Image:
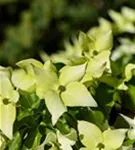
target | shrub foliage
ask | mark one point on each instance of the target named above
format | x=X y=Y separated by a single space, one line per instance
x=82 y=98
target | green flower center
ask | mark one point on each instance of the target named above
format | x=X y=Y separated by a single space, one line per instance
x=62 y=88
x=6 y=101
x=95 y=52
x=101 y=146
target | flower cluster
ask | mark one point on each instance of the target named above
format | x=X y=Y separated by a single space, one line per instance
x=82 y=98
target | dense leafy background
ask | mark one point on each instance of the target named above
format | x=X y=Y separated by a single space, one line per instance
x=27 y=27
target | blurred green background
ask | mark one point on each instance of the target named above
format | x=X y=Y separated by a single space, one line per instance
x=30 y=26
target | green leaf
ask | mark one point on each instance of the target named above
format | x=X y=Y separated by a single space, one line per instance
x=76 y=94
x=104 y=97
x=54 y=105
x=113 y=82
x=22 y=114
x=51 y=138
x=29 y=101
x=16 y=142
x=128 y=71
x=7 y=118
x=62 y=126
x=72 y=135
x=54 y=148
x=32 y=140
x=98 y=118
x=131 y=92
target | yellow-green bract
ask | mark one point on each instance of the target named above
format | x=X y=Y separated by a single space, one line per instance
x=63 y=91
x=8 y=98
x=131 y=122
x=93 y=138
